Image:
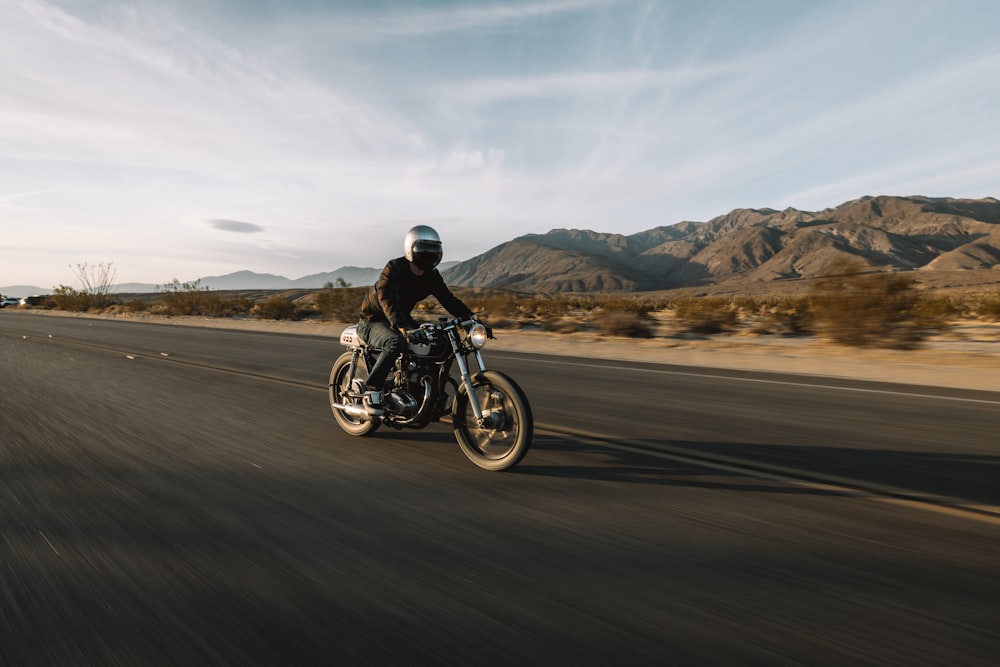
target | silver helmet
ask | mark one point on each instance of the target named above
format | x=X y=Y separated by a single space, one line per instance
x=422 y=246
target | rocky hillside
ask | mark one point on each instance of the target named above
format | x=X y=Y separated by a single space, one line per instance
x=904 y=233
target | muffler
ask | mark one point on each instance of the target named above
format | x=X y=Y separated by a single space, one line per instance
x=356 y=411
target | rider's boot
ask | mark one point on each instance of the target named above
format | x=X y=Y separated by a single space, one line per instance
x=373 y=402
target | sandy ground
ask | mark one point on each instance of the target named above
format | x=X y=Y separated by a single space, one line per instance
x=967 y=357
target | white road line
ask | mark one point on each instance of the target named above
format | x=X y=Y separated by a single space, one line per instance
x=48 y=543
x=816 y=480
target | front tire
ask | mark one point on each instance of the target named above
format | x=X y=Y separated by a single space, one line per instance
x=340 y=383
x=505 y=437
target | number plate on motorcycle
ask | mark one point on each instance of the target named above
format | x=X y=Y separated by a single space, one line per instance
x=350 y=337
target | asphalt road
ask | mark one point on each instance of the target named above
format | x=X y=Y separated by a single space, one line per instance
x=171 y=495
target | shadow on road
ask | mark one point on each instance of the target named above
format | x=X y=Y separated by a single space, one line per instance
x=609 y=464
x=965 y=477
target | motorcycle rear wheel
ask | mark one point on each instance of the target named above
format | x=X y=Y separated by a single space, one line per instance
x=506 y=436
x=340 y=384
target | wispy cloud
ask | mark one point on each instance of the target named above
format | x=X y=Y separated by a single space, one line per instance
x=424 y=21
x=9 y=200
x=153 y=122
x=583 y=83
x=236 y=226
x=140 y=88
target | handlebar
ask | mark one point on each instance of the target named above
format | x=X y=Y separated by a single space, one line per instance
x=426 y=333
x=419 y=336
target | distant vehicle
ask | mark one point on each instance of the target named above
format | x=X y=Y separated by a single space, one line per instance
x=9 y=301
x=32 y=300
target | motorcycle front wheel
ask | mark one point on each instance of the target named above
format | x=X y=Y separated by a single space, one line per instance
x=340 y=384
x=505 y=435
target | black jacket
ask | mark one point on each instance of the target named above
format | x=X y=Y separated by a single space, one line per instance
x=398 y=290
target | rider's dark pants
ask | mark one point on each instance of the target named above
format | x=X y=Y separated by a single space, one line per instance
x=392 y=343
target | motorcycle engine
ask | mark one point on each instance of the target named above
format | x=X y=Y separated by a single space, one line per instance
x=401 y=403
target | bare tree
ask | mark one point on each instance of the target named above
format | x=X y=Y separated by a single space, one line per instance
x=97 y=280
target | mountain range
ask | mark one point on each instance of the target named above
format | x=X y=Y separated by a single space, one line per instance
x=749 y=245
x=743 y=246
x=240 y=280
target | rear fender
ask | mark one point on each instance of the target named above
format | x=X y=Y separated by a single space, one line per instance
x=349 y=337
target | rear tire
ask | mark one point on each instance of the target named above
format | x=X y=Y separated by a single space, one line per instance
x=505 y=439
x=340 y=384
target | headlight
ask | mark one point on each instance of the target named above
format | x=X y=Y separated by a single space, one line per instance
x=477 y=335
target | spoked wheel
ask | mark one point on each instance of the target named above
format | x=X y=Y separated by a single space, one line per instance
x=505 y=434
x=340 y=382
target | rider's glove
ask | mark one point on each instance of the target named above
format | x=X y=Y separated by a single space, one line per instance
x=417 y=337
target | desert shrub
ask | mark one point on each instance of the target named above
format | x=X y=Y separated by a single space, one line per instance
x=73 y=300
x=623 y=304
x=96 y=280
x=95 y=293
x=705 y=316
x=235 y=306
x=555 y=312
x=630 y=323
x=939 y=307
x=873 y=310
x=137 y=306
x=342 y=304
x=498 y=304
x=546 y=307
x=497 y=311
x=565 y=313
x=516 y=310
x=571 y=322
x=177 y=298
x=784 y=317
x=66 y=298
x=276 y=308
x=988 y=307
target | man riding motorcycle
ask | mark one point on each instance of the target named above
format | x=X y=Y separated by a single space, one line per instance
x=385 y=312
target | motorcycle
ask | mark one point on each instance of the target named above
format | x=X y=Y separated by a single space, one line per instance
x=489 y=412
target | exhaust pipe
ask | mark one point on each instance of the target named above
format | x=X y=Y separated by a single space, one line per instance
x=356 y=411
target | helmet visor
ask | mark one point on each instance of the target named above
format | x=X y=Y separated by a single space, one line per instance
x=426 y=254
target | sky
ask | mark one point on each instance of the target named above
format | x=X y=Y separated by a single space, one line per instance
x=192 y=138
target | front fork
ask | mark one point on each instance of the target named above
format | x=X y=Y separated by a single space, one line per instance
x=463 y=368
